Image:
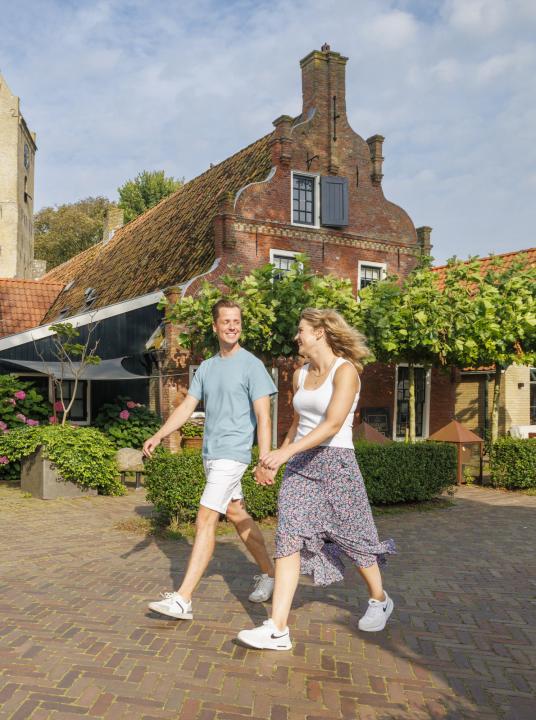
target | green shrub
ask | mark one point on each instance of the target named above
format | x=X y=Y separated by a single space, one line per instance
x=127 y=423
x=406 y=472
x=82 y=455
x=513 y=463
x=21 y=403
x=190 y=430
x=175 y=483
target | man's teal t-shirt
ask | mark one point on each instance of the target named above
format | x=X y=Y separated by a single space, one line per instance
x=229 y=387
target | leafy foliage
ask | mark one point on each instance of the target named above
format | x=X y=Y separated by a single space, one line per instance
x=146 y=190
x=66 y=230
x=190 y=430
x=406 y=472
x=82 y=455
x=513 y=463
x=393 y=473
x=20 y=402
x=175 y=483
x=270 y=307
x=128 y=424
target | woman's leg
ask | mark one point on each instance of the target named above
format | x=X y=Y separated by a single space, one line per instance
x=287 y=575
x=373 y=578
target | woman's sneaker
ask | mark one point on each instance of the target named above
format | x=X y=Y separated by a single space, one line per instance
x=377 y=614
x=173 y=605
x=264 y=587
x=266 y=637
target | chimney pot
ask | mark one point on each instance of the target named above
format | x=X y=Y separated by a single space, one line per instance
x=113 y=220
x=325 y=48
x=375 y=144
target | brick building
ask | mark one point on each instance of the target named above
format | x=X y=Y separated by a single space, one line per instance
x=312 y=185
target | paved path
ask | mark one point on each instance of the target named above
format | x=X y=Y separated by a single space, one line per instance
x=76 y=639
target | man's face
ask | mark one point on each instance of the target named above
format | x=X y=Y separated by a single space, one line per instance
x=228 y=326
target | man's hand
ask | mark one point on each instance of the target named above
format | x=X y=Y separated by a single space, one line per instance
x=150 y=445
x=273 y=460
x=264 y=476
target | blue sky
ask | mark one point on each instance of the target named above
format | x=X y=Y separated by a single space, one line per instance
x=119 y=86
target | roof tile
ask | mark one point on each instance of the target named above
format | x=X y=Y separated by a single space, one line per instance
x=24 y=302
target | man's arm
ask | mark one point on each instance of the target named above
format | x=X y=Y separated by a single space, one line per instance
x=175 y=421
x=261 y=408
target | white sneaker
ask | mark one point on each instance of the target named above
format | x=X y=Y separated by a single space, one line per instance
x=264 y=587
x=377 y=614
x=266 y=637
x=173 y=605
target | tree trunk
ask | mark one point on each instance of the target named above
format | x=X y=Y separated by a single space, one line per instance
x=411 y=399
x=496 y=403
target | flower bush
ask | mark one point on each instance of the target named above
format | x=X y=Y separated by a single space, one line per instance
x=21 y=404
x=82 y=455
x=127 y=423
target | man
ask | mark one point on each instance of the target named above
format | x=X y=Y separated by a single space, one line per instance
x=236 y=389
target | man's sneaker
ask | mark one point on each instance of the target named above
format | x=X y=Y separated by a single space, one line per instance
x=173 y=605
x=264 y=587
x=377 y=614
x=266 y=637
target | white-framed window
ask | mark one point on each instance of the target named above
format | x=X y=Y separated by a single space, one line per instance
x=282 y=261
x=200 y=409
x=423 y=380
x=369 y=272
x=305 y=199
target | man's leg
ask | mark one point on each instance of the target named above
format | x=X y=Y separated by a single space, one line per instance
x=202 y=551
x=250 y=534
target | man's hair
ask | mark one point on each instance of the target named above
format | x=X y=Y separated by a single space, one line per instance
x=224 y=303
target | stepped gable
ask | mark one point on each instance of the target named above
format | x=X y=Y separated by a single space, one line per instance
x=168 y=244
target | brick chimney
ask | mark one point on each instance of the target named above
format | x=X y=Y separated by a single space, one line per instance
x=375 y=144
x=113 y=220
x=423 y=238
x=324 y=78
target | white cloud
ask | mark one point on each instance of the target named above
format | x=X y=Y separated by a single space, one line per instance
x=118 y=86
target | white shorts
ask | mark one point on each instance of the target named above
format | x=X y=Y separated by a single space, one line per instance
x=223 y=483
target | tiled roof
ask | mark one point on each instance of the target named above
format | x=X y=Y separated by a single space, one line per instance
x=24 y=302
x=168 y=244
x=528 y=255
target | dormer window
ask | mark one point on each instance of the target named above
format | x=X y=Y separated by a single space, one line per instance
x=90 y=295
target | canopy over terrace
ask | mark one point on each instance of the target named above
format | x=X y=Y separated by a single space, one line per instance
x=106 y=370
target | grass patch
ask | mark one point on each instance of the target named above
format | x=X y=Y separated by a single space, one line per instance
x=179 y=531
x=425 y=506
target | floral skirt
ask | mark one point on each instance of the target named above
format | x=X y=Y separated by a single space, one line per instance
x=324 y=513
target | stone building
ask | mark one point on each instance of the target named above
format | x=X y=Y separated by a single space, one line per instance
x=312 y=185
x=17 y=163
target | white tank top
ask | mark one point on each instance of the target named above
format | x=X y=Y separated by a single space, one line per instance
x=311 y=406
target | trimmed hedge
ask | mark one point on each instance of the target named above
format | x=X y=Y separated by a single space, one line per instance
x=513 y=463
x=406 y=472
x=393 y=473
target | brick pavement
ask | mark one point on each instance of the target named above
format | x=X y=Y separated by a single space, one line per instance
x=77 y=641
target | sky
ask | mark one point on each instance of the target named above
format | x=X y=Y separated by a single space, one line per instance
x=115 y=87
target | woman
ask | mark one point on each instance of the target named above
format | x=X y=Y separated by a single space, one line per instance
x=323 y=510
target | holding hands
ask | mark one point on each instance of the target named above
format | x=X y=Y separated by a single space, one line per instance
x=272 y=461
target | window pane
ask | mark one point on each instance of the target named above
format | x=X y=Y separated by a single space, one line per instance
x=402 y=394
x=369 y=274
x=303 y=199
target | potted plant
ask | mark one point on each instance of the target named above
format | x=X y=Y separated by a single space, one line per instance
x=192 y=434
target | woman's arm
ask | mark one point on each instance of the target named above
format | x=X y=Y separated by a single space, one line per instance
x=345 y=384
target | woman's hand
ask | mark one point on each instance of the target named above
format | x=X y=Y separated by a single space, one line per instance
x=275 y=458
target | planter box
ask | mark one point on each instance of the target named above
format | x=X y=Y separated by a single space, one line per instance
x=192 y=442
x=39 y=477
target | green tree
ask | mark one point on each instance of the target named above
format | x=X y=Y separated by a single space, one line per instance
x=407 y=322
x=271 y=308
x=145 y=191
x=65 y=230
x=493 y=313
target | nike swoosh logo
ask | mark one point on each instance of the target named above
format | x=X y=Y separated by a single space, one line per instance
x=277 y=637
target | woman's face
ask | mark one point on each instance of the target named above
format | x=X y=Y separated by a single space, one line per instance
x=307 y=337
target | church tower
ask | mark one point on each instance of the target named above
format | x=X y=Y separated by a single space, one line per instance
x=17 y=162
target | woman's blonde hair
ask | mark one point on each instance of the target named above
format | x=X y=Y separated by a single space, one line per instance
x=342 y=339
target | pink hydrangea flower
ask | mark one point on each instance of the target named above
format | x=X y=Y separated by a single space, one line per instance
x=4 y=460
x=21 y=417
x=32 y=423
x=131 y=404
x=124 y=414
x=58 y=406
x=3 y=425
x=52 y=420
x=20 y=394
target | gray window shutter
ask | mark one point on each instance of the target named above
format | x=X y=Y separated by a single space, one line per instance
x=333 y=201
